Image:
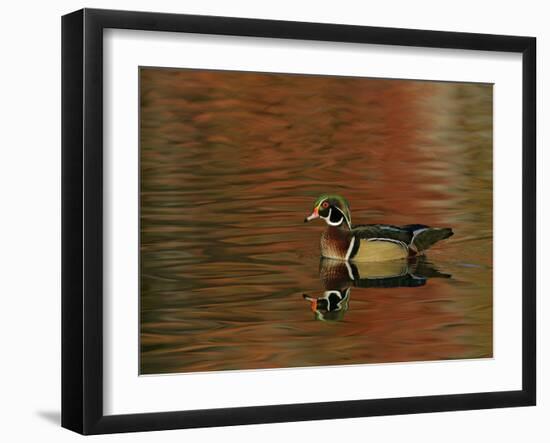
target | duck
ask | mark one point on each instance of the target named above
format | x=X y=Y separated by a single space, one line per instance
x=369 y=243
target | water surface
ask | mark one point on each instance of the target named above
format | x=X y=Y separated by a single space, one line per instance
x=232 y=162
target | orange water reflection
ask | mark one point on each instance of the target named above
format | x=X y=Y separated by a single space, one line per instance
x=230 y=164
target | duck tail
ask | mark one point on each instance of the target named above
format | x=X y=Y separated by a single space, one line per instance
x=424 y=238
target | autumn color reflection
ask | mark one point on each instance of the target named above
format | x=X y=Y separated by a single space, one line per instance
x=229 y=164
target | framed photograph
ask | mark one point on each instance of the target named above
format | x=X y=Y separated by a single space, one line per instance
x=268 y=221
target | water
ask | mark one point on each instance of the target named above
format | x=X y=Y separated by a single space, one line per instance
x=230 y=165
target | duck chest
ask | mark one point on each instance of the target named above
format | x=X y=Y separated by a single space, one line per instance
x=335 y=243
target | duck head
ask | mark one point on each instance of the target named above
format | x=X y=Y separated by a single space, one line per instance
x=333 y=209
x=331 y=306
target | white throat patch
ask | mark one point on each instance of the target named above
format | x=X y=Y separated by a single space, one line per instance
x=330 y=223
x=327 y=219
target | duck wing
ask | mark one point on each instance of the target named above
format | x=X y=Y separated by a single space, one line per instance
x=386 y=232
x=418 y=237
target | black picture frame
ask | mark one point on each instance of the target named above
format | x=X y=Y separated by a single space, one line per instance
x=82 y=218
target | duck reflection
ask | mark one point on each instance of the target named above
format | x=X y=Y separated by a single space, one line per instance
x=338 y=277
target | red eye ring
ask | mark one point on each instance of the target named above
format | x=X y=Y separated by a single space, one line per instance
x=324 y=204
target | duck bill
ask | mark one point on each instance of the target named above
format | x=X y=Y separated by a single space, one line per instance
x=313 y=216
x=312 y=301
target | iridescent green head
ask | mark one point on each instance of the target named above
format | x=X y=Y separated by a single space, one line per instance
x=332 y=208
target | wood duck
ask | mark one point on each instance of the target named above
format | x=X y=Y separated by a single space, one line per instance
x=338 y=277
x=368 y=243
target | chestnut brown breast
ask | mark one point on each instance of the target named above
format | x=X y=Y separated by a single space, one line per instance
x=335 y=242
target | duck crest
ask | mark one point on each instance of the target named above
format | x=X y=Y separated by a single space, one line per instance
x=335 y=242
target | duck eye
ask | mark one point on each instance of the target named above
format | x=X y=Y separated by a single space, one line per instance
x=324 y=204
